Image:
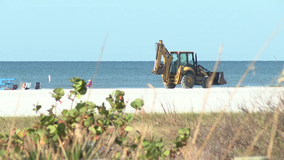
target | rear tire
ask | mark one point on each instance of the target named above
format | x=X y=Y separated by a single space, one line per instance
x=169 y=86
x=187 y=80
x=205 y=82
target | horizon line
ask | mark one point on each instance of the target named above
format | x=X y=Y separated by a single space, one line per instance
x=129 y=61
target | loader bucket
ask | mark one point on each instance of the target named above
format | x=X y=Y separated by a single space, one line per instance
x=219 y=78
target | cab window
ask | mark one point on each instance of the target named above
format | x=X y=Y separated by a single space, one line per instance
x=183 y=59
x=174 y=64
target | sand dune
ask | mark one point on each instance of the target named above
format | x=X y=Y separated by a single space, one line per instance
x=20 y=102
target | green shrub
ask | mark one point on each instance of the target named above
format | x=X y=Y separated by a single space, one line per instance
x=86 y=131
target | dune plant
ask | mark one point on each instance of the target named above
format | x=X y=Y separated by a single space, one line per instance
x=86 y=131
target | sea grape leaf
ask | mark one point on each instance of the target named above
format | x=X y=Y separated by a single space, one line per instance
x=88 y=122
x=64 y=112
x=51 y=128
x=92 y=129
x=37 y=107
x=167 y=153
x=61 y=127
x=137 y=103
x=58 y=93
x=78 y=96
x=117 y=93
x=128 y=128
x=73 y=113
x=129 y=118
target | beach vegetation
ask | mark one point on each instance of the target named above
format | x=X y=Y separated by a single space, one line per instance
x=248 y=132
x=87 y=131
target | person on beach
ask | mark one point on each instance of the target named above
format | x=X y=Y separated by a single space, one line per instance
x=89 y=84
x=24 y=86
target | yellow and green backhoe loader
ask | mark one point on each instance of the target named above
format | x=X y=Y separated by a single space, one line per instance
x=180 y=67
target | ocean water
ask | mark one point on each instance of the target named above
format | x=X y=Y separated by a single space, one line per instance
x=134 y=74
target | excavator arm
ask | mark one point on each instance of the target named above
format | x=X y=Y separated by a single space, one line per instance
x=162 y=67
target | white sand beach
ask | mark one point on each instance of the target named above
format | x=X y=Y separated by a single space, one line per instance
x=20 y=102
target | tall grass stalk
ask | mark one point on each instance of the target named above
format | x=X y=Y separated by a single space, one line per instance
x=97 y=67
x=256 y=138
x=238 y=85
x=273 y=132
x=205 y=100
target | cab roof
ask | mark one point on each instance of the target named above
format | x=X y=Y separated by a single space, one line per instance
x=181 y=51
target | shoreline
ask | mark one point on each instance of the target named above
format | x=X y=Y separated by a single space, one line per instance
x=20 y=102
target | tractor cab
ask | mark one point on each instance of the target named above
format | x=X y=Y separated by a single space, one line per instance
x=185 y=59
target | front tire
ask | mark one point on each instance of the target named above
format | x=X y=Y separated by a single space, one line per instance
x=187 y=80
x=169 y=86
x=205 y=82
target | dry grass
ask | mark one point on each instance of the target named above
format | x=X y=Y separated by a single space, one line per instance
x=237 y=134
x=6 y=123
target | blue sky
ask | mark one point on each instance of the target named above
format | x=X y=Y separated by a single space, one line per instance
x=72 y=30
